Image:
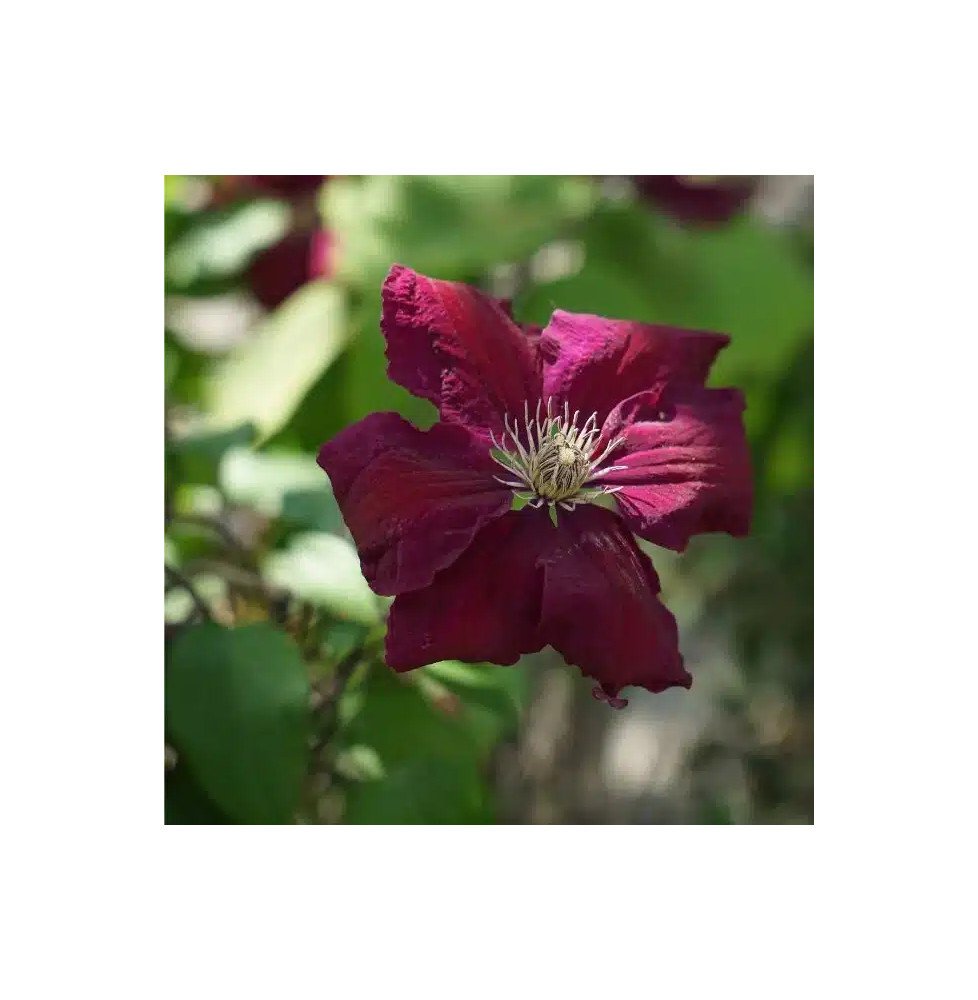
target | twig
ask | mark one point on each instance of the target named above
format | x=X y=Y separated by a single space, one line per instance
x=328 y=709
x=216 y=525
x=179 y=580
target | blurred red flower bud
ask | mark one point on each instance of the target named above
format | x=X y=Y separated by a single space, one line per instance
x=286 y=266
x=697 y=199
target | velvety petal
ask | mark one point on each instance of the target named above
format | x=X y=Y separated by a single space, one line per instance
x=413 y=500
x=601 y=610
x=688 y=464
x=583 y=587
x=449 y=343
x=594 y=363
x=484 y=607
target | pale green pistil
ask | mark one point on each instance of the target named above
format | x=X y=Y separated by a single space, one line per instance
x=552 y=460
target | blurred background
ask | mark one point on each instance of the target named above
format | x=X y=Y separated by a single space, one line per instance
x=279 y=707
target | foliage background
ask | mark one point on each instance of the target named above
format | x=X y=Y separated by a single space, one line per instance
x=278 y=706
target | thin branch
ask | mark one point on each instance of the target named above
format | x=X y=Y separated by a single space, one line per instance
x=219 y=528
x=328 y=709
x=179 y=580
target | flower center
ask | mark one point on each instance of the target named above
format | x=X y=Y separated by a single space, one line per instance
x=551 y=460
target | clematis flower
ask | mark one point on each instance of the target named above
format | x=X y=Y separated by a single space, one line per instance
x=697 y=200
x=287 y=265
x=491 y=530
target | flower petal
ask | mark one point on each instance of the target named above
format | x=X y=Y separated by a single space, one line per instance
x=687 y=464
x=484 y=607
x=583 y=587
x=593 y=363
x=413 y=500
x=600 y=609
x=449 y=343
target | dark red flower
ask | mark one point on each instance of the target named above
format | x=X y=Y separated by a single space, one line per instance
x=588 y=407
x=287 y=185
x=282 y=268
x=697 y=199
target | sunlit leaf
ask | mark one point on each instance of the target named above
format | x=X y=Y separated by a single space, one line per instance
x=264 y=378
x=324 y=569
x=447 y=226
x=218 y=245
x=263 y=480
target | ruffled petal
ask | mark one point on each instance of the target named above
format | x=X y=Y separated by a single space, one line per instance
x=687 y=464
x=593 y=363
x=583 y=587
x=413 y=500
x=484 y=607
x=458 y=348
x=601 y=610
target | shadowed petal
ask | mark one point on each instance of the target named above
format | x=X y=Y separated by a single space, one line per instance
x=688 y=465
x=583 y=587
x=601 y=610
x=413 y=500
x=594 y=363
x=449 y=343
x=484 y=607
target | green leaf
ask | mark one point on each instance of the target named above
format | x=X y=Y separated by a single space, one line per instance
x=491 y=696
x=197 y=457
x=421 y=791
x=185 y=802
x=237 y=711
x=213 y=248
x=313 y=508
x=265 y=377
x=433 y=732
x=263 y=480
x=447 y=226
x=401 y=723
x=324 y=569
x=360 y=764
x=744 y=279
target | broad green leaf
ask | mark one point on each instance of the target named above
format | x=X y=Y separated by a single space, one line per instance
x=447 y=226
x=400 y=722
x=491 y=697
x=185 y=802
x=421 y=791
x=265 y=377
x=324 y=569
x=744 y=279
x=237 y=711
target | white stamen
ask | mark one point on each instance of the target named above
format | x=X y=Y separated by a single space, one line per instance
x=554 y=459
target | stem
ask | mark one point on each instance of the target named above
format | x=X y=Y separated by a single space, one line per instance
x=179 y=580
x=328 y=710
x=218 y=527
